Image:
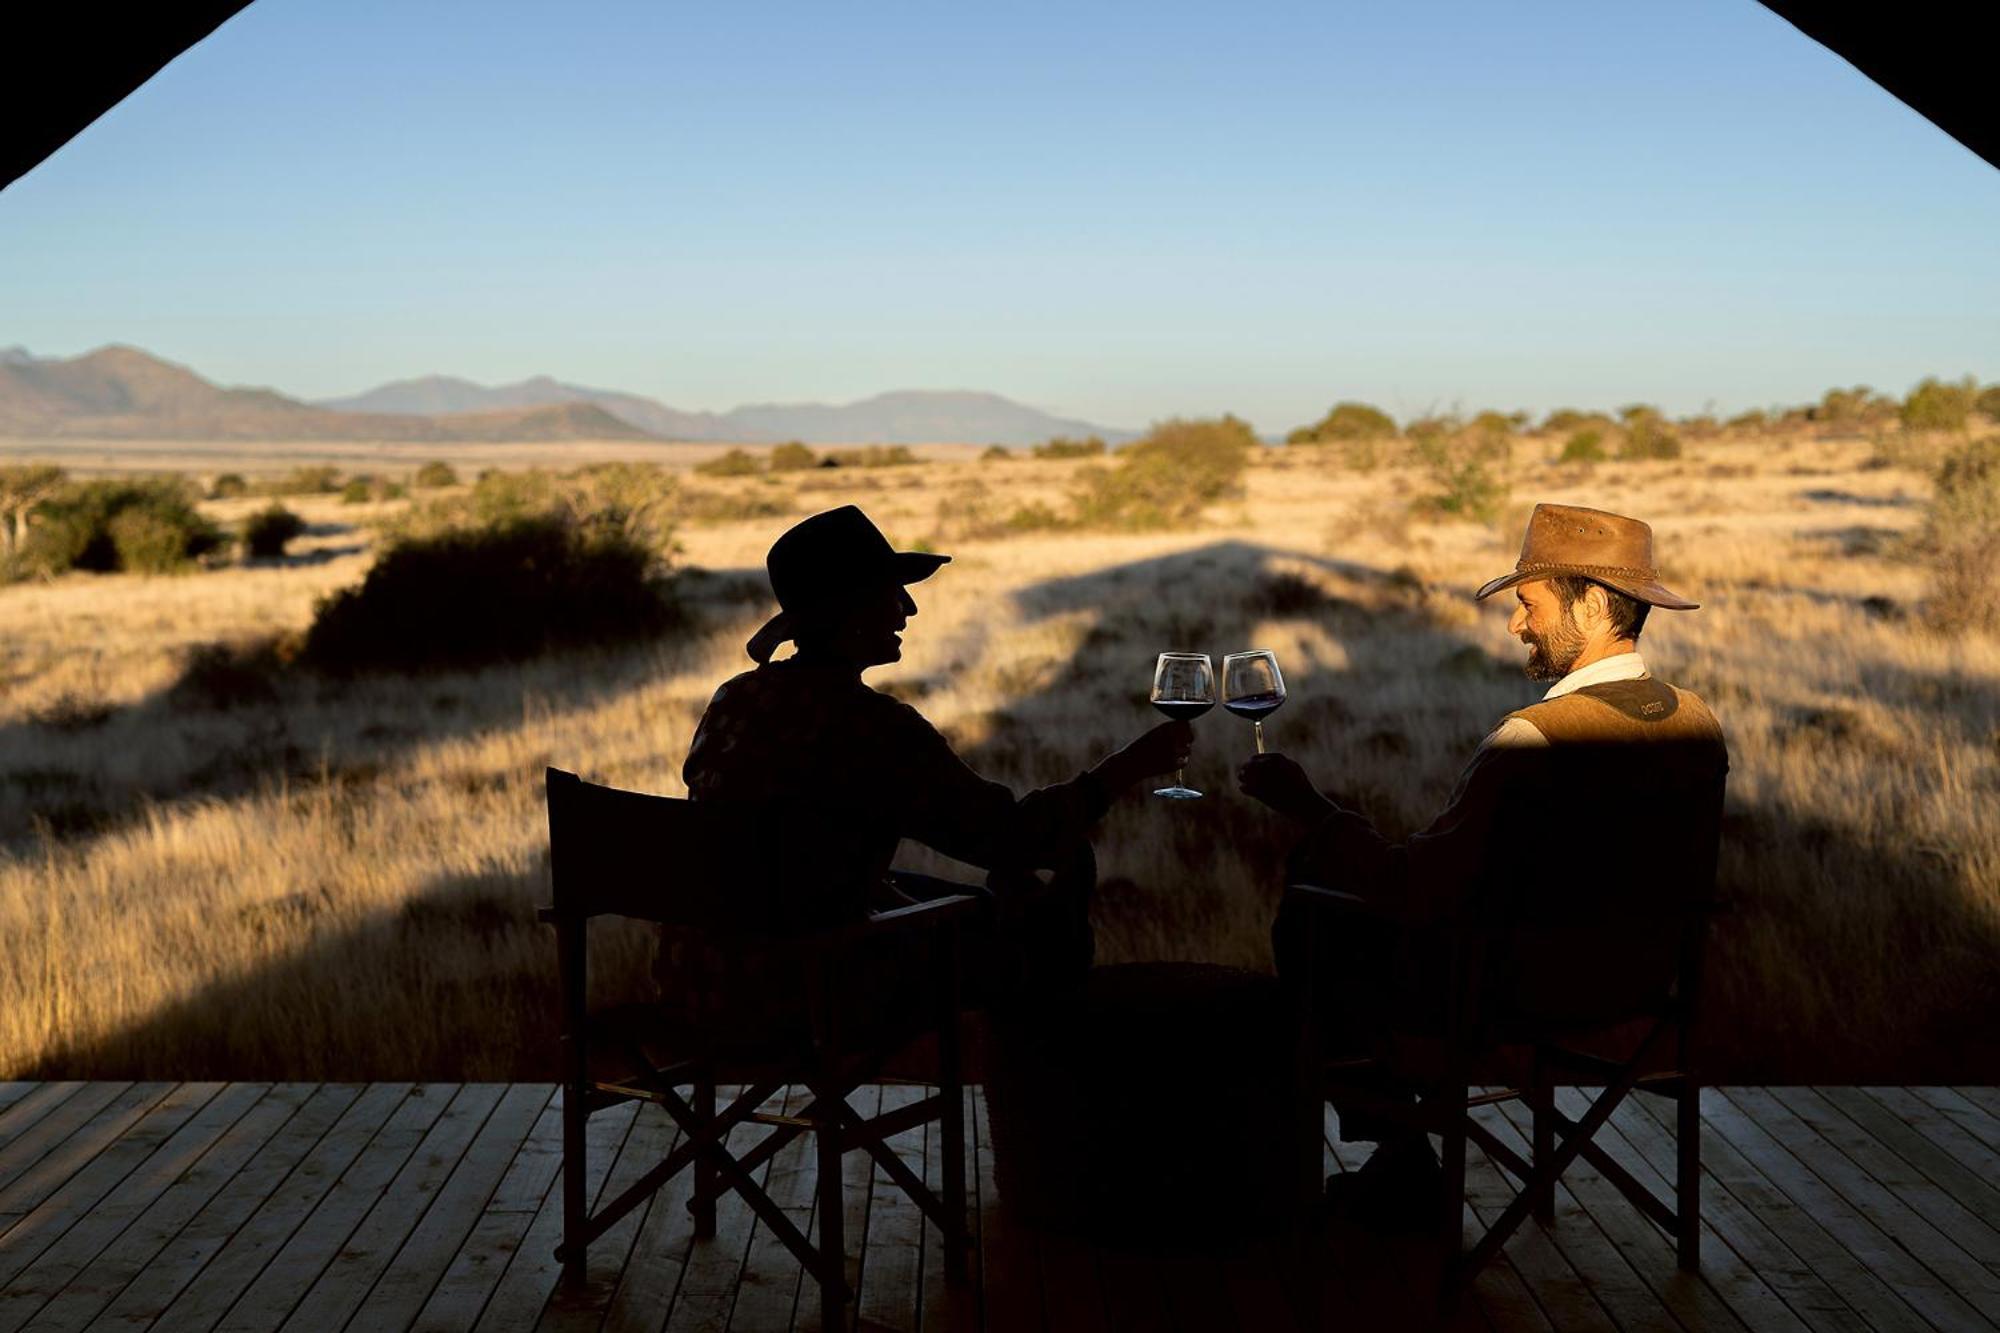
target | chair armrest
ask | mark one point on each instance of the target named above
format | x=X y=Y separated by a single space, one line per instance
x=917 y=916
x=1319 y=897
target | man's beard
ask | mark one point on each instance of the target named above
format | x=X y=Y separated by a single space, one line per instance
x=1551 y=655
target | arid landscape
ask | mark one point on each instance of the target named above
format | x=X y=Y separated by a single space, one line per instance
x=212 y=865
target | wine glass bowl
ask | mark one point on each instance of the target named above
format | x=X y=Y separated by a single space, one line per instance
x=1253 y=687
x=1183 y=689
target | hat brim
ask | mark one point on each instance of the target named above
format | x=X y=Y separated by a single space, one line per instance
x=915 y=566
x=1651 y=592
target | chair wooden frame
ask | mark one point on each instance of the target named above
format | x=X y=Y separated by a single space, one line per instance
x=825 y=1061
x=1447 y=1100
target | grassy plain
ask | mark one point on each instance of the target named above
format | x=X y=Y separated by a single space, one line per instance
x=338 y=879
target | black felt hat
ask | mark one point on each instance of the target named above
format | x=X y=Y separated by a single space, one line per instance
x=823 y=560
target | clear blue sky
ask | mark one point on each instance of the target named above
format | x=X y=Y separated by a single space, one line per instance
x=1124 y=213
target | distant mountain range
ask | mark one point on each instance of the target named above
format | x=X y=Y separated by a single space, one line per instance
x=119 y=392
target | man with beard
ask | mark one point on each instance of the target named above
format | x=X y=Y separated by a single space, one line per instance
x=1584 y=585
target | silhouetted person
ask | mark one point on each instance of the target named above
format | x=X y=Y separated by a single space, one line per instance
x=808 y=733
x=1585 y=584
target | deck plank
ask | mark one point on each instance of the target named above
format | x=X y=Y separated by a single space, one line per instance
x=286 y=1281
x=713 y=1267
x=233 y=1244
x=1968 y=1115
x=431 y=1241
x=157 y=1153
x=1009 y=1277
x=27 y=1156
x=768 y=1294
x=1778 y=1284
x=888 y=1296
x=1892 y=1241
x=14 y=1090
x=468 y=1280
x=948 y=1304
x=245 y=1200
x=23 y=1112
x=582 y=1305
x=69 y=1182
x=139 y=1246
x=517 y=1299
x=1931 y=1140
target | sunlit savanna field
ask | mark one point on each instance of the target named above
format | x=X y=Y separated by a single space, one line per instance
x=302 y=877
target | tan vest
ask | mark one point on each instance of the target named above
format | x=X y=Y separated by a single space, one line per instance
x=1622 y=712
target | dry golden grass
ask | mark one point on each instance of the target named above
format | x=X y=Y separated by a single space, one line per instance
x=339 y=880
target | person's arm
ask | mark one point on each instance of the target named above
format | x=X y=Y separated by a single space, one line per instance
x=943 y=804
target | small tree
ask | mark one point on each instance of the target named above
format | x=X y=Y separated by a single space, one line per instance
x=1347 y=421
x=1936 y=405
x=1584 y=446
x=228 y=486
x=792 y=456
x=1167 y=476
x=1647 y=436
x=735 y=463
x=1989 y=403
x=1061 y=446
x=435 y=475
x=23 y=486
x=996 y=453
x=267 y=532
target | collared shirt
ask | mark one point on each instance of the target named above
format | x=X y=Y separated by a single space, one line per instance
x=1619 y=666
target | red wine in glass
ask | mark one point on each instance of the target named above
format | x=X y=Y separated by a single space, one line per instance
x=1183 y=689
x=1252 y=687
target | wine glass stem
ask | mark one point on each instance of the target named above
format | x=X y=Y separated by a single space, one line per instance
x=1258 y=724
x=1180 y=777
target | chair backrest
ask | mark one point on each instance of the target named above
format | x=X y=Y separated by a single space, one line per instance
x=772 y=870
x=1603 y=878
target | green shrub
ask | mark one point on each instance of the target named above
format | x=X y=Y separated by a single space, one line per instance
x=268 y=531
x=735 y=463
x=792 y=456
x=467 y=597
x=358 y=491
x=1753 y=422
x=1584 y=446
x=1961 y=538
x=1989 y=403
x=1564 y=419
x=435 y=475
x=313 y=480
x=1061 y=446
x=1464 y=469
x=228 y=486
x=1936 y=405
x=1166 y=477
x=1648 y=437
x=148 y=525
x=996 y=453
x=873 y=455
x=1346 y=421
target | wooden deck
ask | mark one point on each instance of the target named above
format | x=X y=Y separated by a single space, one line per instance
x=387 y=1206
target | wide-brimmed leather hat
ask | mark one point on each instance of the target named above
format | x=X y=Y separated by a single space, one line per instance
x=823 y=560
x=1606 y=548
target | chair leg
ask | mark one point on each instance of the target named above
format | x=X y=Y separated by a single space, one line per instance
x=702 y=1205
x=1541 y=1104
x=1687 y=1175
x=951 y=1126
x=1451 y=1157
x=832 y=1243
x=575 y=1120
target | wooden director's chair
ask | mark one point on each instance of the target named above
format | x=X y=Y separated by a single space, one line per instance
x=1581 y=963
x=729 y=875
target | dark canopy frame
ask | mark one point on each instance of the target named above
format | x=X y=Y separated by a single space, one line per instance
x=69 y=64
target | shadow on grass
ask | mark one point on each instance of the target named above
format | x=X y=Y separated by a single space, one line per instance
x=1844 y=960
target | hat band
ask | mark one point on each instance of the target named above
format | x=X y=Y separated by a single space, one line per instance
x=1589 y=571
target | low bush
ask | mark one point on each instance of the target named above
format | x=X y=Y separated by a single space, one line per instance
x=435 y=475
x=1062 y=446
x=468 y=597
x=369 y=489
x=1961 y=539
x=792 y=456
x=313 y=480
x=1346 y=421
x=144 y=526
x=1585 y=446
x=1166 y=477
x=1937 y=405
x=267 y=532
x=996 y=453
x=228 y=486
x=1648 y=436
x=735 y=463
x=873 y=455
x=1465 y=472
